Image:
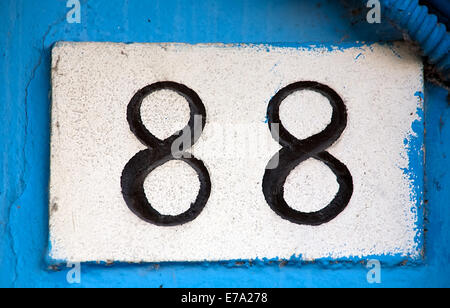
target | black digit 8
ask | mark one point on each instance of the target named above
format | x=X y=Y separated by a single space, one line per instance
x=296 y=151
x=160 y=152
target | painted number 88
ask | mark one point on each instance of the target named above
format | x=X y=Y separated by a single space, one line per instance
x=293 y=153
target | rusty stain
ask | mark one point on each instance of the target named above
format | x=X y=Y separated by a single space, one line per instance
x=356 y=12
x=54 y=208
x=345 y=37
x=55 y=68
x=441 y=123
x=434 y=76
x=55 y=268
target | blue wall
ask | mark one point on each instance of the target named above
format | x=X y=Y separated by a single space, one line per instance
x=27 y=31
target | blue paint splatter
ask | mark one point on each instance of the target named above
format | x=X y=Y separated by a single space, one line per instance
x=415 y=147
x=420 y=95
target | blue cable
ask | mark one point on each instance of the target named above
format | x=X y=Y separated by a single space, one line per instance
x=440 y=6
x=424 y=28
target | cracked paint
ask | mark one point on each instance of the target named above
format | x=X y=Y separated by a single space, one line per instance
x=25 y=166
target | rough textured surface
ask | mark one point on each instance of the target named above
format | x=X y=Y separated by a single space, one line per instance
x=92 y=84
x=24 y=131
